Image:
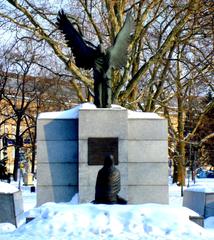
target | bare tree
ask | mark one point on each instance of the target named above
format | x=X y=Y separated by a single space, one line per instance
x=105 y=20
x=27 y=91
x=166 y=54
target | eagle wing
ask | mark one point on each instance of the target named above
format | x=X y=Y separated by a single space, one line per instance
x=118 y=53
x=83 y=54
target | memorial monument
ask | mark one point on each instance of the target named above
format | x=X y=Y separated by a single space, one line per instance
x=72 y=147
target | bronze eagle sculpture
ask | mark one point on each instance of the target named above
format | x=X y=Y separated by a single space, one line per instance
x=102 y=61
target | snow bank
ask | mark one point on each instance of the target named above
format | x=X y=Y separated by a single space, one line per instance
x=7 y=188
x=6 y=227
x=209 y=223
x=67 y=221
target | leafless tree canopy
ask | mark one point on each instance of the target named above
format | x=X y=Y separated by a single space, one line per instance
x=170 y=54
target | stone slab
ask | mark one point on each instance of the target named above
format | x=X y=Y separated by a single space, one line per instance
x=56 y=174
x=148 y=194
x=200 y=202
x=59 y=129
x=195 y=201
x=102 y=123
x=89 y=193
x=57 y=151
x=11 y=207
x=147 y=174
x=147 y=151
x=147 y=129
x=55 y=194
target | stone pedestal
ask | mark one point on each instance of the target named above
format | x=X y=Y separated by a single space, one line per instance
x=63 y=167
x=57 y=154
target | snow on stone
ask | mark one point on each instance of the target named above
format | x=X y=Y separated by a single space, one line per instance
x=145 y=115
x=206 y=189
x=72 y=113
x=7 y=188
x=110 y=222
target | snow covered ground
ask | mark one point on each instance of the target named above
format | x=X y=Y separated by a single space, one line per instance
x=68 y=221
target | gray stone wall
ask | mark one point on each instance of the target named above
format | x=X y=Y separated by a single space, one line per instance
x=57 y=160
x=147 y=160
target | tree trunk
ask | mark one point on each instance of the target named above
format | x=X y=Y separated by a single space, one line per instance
x=17 y=148
x=180 y=136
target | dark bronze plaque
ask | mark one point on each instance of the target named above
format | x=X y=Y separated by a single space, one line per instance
x=98 y=148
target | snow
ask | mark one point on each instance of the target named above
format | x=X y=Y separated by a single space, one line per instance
x=65 y=221
x=145 y=115
x=6 y=227
x=73 y=113
x=209 y=223
x=89 y=221
x=7 y=188
x=205 y=189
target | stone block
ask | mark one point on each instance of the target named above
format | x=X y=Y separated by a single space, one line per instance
x=148 y=194
x=123 y=151
x=56 y=174
x=147 y=174
x=194 y=200
x=147 y=129
x=88 y=174
x=83 y=151
x=88 y=193
x=57 y=129
x=11 y=207
x=102 y=123
x=147 y=151
x=201 y=202
x=55 y=194
x=209 y=210
x=57 y=151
